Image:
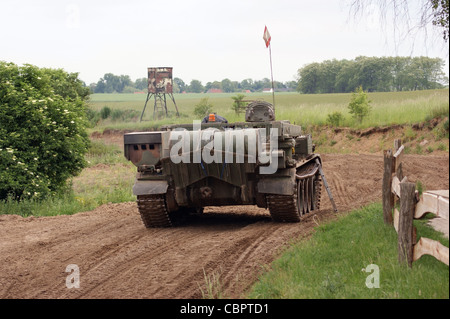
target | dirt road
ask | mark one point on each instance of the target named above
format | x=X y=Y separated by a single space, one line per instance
x=118 y=258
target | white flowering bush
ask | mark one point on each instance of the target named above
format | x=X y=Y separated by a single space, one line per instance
x=43 y=135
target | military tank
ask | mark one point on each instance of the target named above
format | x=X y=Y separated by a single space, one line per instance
x=183 y=168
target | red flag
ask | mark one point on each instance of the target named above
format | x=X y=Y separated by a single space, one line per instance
x=267 y=37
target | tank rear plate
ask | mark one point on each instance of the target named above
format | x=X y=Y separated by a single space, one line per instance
x=150 y=187
x=142 y=138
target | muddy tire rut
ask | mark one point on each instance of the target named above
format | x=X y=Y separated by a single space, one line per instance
x=119 y=258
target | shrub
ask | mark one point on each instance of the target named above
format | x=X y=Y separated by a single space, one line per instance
x=43 y=135
x=203 y=108
x=442 y=147
x=359 y=104
x=335 y=118
x=124 y=115
x=238 y=104
x=105 y=112
x=93 y=117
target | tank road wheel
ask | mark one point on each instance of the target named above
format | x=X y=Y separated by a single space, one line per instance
x=313 y=193
x=301 y=198
x=306 y=197
x=153 y=210
x=317 y=188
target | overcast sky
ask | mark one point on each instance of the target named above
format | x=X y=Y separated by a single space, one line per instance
x=203 y=40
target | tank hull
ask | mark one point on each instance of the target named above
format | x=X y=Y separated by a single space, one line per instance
x=183 y=168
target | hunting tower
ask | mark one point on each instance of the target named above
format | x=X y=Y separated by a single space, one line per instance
x=160 y=84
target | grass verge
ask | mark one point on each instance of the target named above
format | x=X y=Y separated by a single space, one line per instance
x=109 y=178
x=333 y=263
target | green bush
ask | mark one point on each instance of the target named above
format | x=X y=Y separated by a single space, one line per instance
x=124 y=115
x=105 y=112
x=93 y=117
x=238 y=104
x=335 y=118
x=359 y=105
x=43 y=135
x=203 y=108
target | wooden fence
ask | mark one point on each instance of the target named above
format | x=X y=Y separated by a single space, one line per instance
x=412 y=206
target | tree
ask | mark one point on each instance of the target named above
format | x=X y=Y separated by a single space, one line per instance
x=124 y=81
x=196 y=86
x=213 y=85
x=100 y=87
x=346 y=78
x=112 y=83
x=203 y=108
x=238 y=103
x=440 y=16
x=309 y=78
x=141 y=84
x=397 y=12
x=291 y=85
x=181 y=85
x=43 y=135
x=227 y=85
x=375 y=74
x=359 y=104
x=328 y=72
x=247 y=84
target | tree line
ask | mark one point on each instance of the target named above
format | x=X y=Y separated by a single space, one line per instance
x=111 y=83
x=374 y=74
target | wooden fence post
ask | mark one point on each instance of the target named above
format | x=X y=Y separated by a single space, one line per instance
x=397 y=144
x=388 y=197
x=406 y=232
x=399 y=169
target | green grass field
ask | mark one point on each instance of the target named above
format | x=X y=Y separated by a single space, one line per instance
x=334 y=264
x=304 y=109
x=109 y=178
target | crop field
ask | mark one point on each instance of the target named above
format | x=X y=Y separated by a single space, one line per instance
x=303 y=109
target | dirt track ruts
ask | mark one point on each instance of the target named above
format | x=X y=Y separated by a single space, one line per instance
x=119 y=258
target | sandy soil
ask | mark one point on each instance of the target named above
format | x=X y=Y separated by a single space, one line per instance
x=119 y=258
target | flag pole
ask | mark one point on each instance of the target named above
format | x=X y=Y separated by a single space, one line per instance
x=271 y=76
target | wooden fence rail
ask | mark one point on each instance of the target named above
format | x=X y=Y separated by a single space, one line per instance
x=412 y=206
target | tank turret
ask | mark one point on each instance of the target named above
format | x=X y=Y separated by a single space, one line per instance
x=259 y=111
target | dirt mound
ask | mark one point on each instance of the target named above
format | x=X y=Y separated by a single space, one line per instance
x=119 y=258
x=421 y=138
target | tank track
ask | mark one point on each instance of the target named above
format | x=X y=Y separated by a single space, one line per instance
x=318 y=190
x=153 y=210
x=286 y=208
x=283 y=208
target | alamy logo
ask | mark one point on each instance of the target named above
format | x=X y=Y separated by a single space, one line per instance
x=373 y=280
x=73 y=16
x=230 y=146
x=73 y=279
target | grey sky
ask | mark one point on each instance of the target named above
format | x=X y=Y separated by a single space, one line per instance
x=204 y=40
